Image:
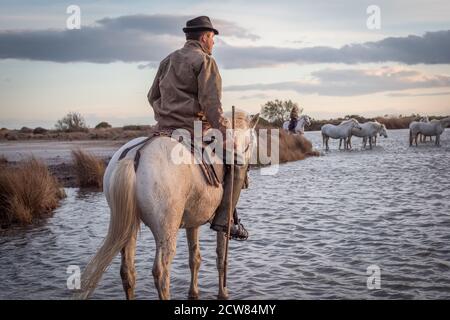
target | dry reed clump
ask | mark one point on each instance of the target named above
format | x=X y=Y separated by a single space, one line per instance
x=89 y=169
x=397 y=123
x=292 y=147
x=27 y=191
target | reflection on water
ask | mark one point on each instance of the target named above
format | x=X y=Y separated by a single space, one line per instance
x=314 y=228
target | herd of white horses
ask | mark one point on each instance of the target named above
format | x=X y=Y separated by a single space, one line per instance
x=369 y=131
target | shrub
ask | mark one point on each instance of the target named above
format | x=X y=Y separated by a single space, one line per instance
x=26 y=130
x=132 y=127
x=103 y=125
x=27 y=191
x=89 y=169
x=12 y=136
x=40 y=130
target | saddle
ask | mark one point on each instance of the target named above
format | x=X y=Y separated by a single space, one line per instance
x=213 y=171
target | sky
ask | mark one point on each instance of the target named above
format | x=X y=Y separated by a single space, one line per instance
x=325 y=55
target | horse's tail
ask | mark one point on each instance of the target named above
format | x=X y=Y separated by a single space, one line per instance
x=123 y=224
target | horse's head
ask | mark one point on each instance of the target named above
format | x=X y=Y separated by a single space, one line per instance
x=383 y=131
x=307 y=120
x=244 y=134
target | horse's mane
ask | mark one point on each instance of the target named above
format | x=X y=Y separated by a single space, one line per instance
x=241 y=119
x=349 y=120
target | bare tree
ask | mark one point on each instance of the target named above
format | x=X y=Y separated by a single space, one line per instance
x=73 y=121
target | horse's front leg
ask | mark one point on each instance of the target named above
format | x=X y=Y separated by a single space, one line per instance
x=220 y=250
x=194 y=260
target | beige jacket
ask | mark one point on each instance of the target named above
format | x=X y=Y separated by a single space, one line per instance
x=188 y=87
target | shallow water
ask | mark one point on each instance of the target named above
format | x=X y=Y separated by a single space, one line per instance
x=314 y=228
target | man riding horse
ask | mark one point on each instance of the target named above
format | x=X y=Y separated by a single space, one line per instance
x=188 y=88
x=293 y=119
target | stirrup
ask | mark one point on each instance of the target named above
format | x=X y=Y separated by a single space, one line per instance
x=238 y=232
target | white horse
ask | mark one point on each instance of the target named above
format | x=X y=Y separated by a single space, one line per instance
x=369 y=130
x=432 y=128
x=166 y=196
x=341 y=131
x=382 y=133
x=423 y=138
x=300 y=127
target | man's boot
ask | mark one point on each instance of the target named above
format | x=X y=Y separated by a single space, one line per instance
x=220 y=221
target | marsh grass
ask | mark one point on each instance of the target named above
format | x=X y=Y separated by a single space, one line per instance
x=89 y=169
x=27 y=192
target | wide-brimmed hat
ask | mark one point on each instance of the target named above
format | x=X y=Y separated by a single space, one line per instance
x=202 y=23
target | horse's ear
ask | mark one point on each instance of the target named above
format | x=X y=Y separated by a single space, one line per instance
x=254 y=120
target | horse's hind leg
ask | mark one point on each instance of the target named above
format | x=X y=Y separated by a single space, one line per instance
x=194 y=260
x=165 y=251
x=223 y=292
x=127 y=268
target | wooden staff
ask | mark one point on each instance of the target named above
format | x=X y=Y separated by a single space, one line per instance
x=230 y=199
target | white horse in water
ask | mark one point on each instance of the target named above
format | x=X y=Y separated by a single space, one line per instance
x=369 y=130
x=300 y=127
x=432 y=128
x=423 y=138
x=166 y=196
x=341 y=131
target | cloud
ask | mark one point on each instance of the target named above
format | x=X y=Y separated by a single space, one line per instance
x=133 y=38
x=431 y=48
x=170 y=25
x=255 y=96
x=149 y=38
x=349 y=82
x=431 y=94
